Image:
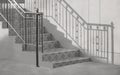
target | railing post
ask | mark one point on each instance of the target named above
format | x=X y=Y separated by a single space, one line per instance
x=87 y=39
x=42 y=30
x=37 y=42
x=66 y=22
x=112 y=41
x=7 y=12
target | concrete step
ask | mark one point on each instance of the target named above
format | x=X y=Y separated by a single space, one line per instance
x=28 y=31
x=67 y=62
x=46 y=45
x=60 y=54
x=32 y=38
x=71 y=61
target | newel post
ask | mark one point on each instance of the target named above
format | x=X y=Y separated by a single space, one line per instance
x=112 y=41
x=37 y=42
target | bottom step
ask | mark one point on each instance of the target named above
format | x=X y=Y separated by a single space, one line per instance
x=66 y=62
x=70 y=62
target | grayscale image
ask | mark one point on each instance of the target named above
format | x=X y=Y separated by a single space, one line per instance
x=59 y=37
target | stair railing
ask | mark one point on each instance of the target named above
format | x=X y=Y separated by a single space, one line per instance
x=20 y=23
x=94 y=39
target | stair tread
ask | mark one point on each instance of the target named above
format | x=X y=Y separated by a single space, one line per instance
x=57 y=50
x=66 y=62
x=71 y=59
x=48 y=41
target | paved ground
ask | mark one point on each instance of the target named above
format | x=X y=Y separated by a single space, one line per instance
x=9 y=67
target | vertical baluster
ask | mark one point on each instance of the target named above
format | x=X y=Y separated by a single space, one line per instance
x=1 y=6
x=70 y=26
x=49 y=3
x=112 y=41
x=88 y=39
x=63 y=19
x=56 y=11
x=30 y=34
x=42 y=31
x=107 y=45
x=29 y=6
x=101 y=44
x=25 y=31
x=11 y=15
x=43 y=6
x=9 y=6
x=80 y=36
x=104 y=42
x=73 y=21
x=46 y=8
x=66 y=21
x=84 y=41
x=77 y=31
x=38 y=2
x=7 y=11
x=40 y=5
x=4 y=9
x=52 y=8
x=59 y=13
x=96 y=43
x=93 y=42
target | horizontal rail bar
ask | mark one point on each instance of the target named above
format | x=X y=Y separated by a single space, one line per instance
x=95 y=24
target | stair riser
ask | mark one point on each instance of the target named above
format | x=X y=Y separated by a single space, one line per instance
x=61 y=56
x=45 y=47
x=56 y=65
x=32 y=38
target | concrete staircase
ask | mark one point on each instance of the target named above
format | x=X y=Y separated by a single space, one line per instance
x=55 y=54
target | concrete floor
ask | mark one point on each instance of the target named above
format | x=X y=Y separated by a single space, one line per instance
x=9 y=67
